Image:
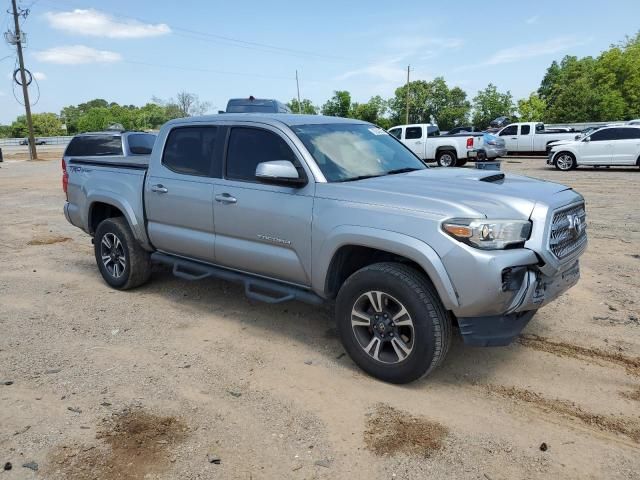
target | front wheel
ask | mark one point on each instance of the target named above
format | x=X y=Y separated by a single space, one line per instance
x=565 y=162
x=392 y=322
x=447 y=158
x=122 y=262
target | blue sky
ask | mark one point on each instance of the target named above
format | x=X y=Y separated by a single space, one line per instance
x=129 y=51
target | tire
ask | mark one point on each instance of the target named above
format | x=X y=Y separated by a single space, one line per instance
x=425 y=330
x=447 y=158
x=565 y=161
x=128 y=265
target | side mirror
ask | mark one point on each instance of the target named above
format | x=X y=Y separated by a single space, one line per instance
x=588 y=139
x=280 y=172
x=577 y=137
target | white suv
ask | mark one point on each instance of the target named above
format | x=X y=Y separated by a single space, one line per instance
x=616 y=145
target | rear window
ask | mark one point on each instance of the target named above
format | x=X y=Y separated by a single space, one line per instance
x=245 y=106
x=94 y=145
x=141 y=143
x=413 y=132
x=190 y=150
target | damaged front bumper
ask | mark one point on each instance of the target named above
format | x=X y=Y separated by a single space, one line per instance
x=535 y=291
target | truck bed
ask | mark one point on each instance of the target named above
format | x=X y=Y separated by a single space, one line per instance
x=137 y=161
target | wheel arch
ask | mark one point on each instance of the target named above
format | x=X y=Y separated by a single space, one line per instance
x=350 y=248
x=103 y=206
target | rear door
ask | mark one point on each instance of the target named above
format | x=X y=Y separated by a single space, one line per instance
x=625 y=146
x=262 y=229
x=414 y=139
x=510 y=136
x=179 y=192
x=524 y=138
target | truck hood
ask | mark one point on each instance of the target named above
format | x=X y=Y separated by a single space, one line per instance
x=449 y=192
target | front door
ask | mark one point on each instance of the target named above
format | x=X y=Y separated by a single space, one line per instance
x=510 y=136
x=598 y=149
x=414 y=139
x=262 y=229
x=524 y=139
x=179 y=193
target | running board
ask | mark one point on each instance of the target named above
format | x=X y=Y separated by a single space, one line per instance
x=255 y=288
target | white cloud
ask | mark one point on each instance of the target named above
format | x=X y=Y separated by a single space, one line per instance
x=528 y=50
x=39 y=76
x=388 y=70
x=532 y=20
x=98 y=24
x=76 y=54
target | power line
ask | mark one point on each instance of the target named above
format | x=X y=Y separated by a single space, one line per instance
x=220 y=39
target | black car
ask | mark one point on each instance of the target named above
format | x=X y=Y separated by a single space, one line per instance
x=500 y=122
x=38 y=141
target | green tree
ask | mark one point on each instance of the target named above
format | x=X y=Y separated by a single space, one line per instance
x=532 y=109
x=604 y=88
x=431 y=100
x=339 y=105
x=44 y=125
x=5 y=131
x=305 y=107
x=489 y=104
x=373 y=111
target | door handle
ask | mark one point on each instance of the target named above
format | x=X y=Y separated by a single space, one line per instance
x=159 y=188
x=418 y=142
x=514 y=138
x=225 y=198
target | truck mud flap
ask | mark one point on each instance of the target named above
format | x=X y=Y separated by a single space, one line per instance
x=255 y=288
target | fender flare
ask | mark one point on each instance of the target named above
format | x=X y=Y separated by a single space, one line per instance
x=389 y=241
x=98 y=196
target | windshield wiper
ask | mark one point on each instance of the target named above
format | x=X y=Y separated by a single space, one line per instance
x=359 y=177
x=403 y=170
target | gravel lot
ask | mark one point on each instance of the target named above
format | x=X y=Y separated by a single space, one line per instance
x=191 y=380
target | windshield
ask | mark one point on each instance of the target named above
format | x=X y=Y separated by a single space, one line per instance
x=347 y=151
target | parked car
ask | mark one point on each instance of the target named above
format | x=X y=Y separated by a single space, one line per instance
x=467 y=129
x=530 y=137
x=634 y=122
x=607 y=146
x=583 y=133
x=447 y=150
x=38 y=141
x=500 y=122
x=332 y=210
x=256 y=105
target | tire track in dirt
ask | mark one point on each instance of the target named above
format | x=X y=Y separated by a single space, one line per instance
x=607 y=423
x=596 y=355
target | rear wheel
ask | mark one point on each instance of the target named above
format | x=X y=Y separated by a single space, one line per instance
x=565 y=161
x=447 y=158
x=122 y=262
x=392 y=322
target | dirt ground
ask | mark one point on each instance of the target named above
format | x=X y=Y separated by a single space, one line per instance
x=191 y=380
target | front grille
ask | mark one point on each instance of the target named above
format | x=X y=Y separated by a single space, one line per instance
x=568 y=231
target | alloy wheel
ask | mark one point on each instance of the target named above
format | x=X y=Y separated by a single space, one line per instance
x=112 y=254
x=383 y=327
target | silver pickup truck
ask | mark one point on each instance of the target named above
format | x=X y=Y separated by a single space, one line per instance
x=324 y=209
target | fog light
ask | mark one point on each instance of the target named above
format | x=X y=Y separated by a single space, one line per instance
x=512 y=278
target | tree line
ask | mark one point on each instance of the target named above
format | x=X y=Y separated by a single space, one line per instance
x=602 y=88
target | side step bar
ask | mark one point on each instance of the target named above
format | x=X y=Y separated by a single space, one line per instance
x=255 y=288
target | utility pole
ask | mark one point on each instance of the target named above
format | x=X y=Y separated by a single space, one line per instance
x=298 y=87
x=406 y=120
x=23 y=77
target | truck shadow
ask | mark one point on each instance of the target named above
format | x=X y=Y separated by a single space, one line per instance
x=311 y=326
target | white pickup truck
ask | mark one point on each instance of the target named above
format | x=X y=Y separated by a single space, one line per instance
x=531 y=137
x=425 y=141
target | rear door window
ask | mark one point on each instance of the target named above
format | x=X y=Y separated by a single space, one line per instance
x=525 y=129
x=412 y=133
x=95 y=145
x=191 y=150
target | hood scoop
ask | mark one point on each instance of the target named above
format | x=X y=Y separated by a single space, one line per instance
x=498 y=177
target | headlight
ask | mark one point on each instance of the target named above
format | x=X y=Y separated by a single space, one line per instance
x=488 y=234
